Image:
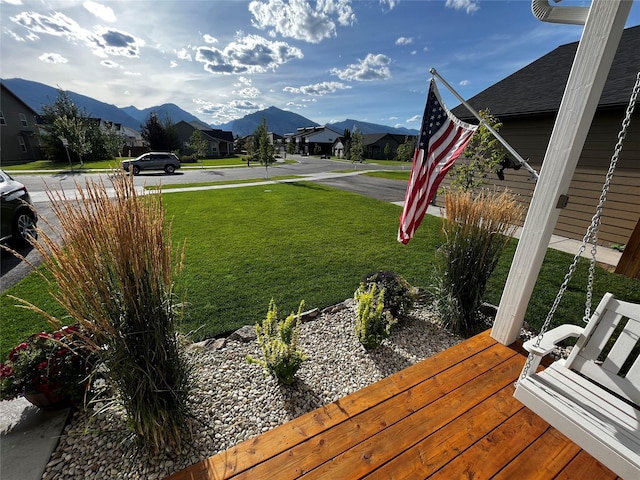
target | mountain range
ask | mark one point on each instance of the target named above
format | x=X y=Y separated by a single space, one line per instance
x=279 y=121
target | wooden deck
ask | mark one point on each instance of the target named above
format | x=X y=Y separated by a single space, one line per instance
x=450 y=416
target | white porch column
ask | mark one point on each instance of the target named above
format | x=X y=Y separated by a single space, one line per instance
x=591 y=65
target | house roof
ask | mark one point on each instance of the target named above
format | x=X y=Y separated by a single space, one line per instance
x=538 y=87
x=7 y=90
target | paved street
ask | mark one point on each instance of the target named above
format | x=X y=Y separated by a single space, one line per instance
x=12 y=269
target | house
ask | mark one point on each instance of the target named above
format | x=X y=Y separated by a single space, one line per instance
x=219 y=142
x=527 y=104
x=18 y=130
x=375 y=145
x=313 y=140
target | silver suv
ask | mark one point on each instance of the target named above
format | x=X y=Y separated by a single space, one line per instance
x=152 y=161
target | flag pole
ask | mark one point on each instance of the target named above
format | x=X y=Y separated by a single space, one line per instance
x=482 y=121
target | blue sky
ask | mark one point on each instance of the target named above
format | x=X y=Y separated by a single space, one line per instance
x=327 y=60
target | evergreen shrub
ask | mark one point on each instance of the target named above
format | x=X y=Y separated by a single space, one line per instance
x=398 y=295
x=373 y=322
x=278 y=341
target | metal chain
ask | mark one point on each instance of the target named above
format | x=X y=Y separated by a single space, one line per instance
x=592 y=232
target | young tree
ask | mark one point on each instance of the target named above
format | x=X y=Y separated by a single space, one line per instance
x=387 y=151
x=406 y=150
x=160 y=135
x=263 y=150
x=112 y=143
x=347 y=143
x=198 y=144
x=73 y=134
x=291 y=147
x=483 y=155
x=356 y=149
x=51 y=136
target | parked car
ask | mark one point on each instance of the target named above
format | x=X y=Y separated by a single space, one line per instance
x=18 y=216
x=152 y=161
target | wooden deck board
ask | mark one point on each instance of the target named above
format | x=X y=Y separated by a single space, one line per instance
x=452 y=415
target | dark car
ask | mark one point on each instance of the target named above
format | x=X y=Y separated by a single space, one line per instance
x=152 y=161
x=18 y=216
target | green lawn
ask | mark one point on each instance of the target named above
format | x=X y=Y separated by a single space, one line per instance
x=294 y=241
x=402 y=175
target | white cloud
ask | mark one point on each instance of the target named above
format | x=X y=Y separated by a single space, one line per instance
x=464 y=83
x=101 y=11
x=299 y=20
x=12 y=2
x=209 y=39
x=468 y=6
x=373 y=67
x=225 y=112
x=404 y=41
x=390 y=4
x=183 y=54
x=173 y=64
x=317 y=89
x=110 y=64
x=103 y=42
x=114 y=42
x=247 y=54
x=242 y=81
x=414 y=119
x=52 y=58
x=14 y=35
x=249 y=92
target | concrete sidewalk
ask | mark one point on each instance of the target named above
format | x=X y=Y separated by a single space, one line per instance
x=28 y=437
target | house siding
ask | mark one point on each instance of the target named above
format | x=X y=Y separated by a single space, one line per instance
x=530 y=137
x=19 y=142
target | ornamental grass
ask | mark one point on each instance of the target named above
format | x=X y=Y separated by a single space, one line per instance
x=477 y=229
x=113 y=273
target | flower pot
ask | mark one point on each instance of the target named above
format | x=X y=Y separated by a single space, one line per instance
x=48 y=400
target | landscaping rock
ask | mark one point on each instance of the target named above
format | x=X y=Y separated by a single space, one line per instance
x=244 y=334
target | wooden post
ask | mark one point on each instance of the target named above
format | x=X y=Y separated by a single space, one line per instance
x=589 y=72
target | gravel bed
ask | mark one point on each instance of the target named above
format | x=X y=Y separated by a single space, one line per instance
x=234 y=401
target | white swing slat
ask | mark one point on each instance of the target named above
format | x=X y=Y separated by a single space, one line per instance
x=588 y=397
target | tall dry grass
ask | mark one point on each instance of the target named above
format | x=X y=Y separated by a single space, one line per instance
x=477 y=229
x=113 y=274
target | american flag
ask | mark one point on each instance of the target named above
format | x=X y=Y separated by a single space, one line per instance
x=442 y=139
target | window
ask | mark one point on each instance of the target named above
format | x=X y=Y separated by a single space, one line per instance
x=2 y=120
x=23 y=120
x=23 y=146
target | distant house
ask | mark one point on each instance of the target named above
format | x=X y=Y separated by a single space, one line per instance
x=375 y=145
x=219 y=142
x=312 y=140
x=134 y=144
x=527 y=103
x=18 y=130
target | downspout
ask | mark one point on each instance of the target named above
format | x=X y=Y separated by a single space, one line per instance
x=569 y=15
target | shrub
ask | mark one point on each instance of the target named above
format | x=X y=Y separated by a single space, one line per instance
x=373 y=323
x=114 y=276
x=476 y=230
x=398 y=295
x=279 y=344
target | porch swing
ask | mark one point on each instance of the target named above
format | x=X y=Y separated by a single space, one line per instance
x=593 y=396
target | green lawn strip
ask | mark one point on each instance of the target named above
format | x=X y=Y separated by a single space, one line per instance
x=402 y=175
x=49 y=166
x=301 y=240
x=221 y=182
